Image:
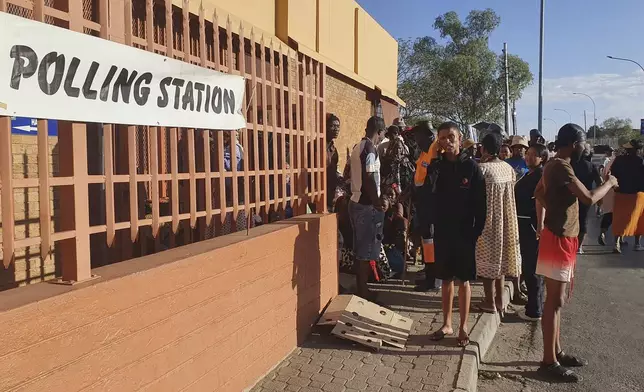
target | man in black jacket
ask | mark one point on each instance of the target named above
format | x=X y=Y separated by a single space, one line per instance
x=459 y=218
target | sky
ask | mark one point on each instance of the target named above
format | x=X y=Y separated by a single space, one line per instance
x=579 y=35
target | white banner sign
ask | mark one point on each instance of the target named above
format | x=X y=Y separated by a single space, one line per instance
x=50 y=72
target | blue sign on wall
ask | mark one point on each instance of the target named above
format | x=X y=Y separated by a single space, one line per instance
x=642 y=127
x=29 y=126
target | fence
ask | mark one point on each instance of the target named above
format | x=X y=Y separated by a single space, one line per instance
x=138 y=190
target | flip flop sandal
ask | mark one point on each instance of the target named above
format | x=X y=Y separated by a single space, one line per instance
x=485 y=309
x=570 y=360
x=558 y=373
x=438 y=335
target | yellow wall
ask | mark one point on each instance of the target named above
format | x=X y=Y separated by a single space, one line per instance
x=302 y=22
x=257 y=13
x=337 y=32
x=377 y=53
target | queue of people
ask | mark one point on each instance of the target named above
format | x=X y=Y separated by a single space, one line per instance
x=495 y=211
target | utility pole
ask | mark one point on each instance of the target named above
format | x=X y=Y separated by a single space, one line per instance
x=507 y=88
x=514 y=118
x=585 y=123
x=542 y=35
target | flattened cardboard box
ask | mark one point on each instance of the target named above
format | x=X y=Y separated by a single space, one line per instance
x=366 y=323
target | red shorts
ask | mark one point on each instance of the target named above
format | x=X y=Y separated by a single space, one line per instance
x=557 y=256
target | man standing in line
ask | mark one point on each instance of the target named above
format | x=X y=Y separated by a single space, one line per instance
x=519 y=146
x=366 y=209
x=588 y=174
x=536 y=137
x=527 y=213
x=557 y=196
x=459 y=209
x=332 y=158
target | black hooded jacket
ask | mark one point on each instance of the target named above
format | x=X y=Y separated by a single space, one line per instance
x=458 y=198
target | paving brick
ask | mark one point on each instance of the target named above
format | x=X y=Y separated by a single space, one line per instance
x=316 y=384
x=282 y=378
x=351 y=363
x=397 y=377
x=384 y=370
x=417 y=373
x=389 y=388
x=298 y=359
x=403 y=365
x=287 y=371
x=275 y=386
x=411 y=386
x=324 y=378
x=306 y=375
x=311 y=368
x=367 y=370
x=438 y=369
x=433 y=379
x=355 y=384
x=341 y=354
x=390 y=359
x=343 y=374
x=293 y=388
x=332 y=387
x=316 y=361
x=297 y=381
x=332 y=365
x=328 y=371
x=377 y=380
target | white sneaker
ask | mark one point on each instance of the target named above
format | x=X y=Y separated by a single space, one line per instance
x=580 y=251
x=638 y=248
x=523 y=316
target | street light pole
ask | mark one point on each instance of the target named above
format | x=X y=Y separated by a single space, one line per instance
x=542 y=37
x=507 y=88
x=556 y=125
x=629 y=60
x=594 y=114
x=565 y=111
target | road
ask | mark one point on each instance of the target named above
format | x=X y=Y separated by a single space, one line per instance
x=603 y=323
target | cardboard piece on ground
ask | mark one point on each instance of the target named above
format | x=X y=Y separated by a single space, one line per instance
x=366 y=323
x=355 y=334
x=332 y=313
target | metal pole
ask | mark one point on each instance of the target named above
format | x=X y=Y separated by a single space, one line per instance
x=507 y=88
x=585 y=122
x=629 y=60
x=541 y=41
x=594 y=113
x=514 y=118
x=565 y=111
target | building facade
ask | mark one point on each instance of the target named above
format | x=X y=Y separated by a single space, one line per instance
x=130 y=219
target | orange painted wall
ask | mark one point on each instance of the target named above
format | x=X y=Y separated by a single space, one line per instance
x=215 y=315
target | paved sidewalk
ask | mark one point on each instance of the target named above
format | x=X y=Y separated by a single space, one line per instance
x=327 y=363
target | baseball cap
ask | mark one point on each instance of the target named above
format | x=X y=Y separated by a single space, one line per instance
x=569 y=134
x=468 y=143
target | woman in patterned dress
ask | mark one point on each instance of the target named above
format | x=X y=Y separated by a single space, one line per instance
x=497 y=251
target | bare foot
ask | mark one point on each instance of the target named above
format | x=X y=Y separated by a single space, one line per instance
x=463 y=337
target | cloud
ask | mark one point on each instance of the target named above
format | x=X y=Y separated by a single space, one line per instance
x=615 y=96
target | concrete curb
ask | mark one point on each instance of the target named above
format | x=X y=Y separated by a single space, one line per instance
x=481 y=338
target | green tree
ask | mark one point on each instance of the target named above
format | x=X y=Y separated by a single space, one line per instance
x=590 y=134
x=620 y=128
x=460 y=79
